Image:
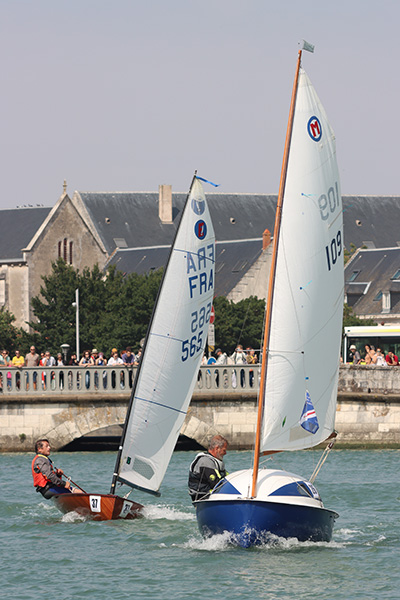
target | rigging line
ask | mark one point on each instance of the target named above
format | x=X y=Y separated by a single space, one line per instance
x=182 y=412
x=168 y=337
x=201 y=256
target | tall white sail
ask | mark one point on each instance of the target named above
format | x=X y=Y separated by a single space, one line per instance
x=304 y=345
x=173 y=350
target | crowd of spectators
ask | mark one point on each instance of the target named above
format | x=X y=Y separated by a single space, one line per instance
x=372 y=356
x=239 y=357
x=90 y=358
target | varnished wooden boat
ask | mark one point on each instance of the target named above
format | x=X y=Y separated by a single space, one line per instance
x=98 y=507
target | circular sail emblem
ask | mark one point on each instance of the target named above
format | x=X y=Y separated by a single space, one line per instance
x=314 y=129
x=200 y=230
x=198 y=206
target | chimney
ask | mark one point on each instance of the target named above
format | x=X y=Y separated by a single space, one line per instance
x=165 y=203
x=266 y=239
x=386 y=304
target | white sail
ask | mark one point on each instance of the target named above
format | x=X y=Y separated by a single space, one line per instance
x=304 y=345
x=173 y=349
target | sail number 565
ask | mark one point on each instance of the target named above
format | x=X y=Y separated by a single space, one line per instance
x=334 y=250
x=194 y=344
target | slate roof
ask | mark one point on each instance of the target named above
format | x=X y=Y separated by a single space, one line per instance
x=137 y=241
x=18 y=226
x=373 y=219
x=233 y=260
x=378 y=271
x=132 y=219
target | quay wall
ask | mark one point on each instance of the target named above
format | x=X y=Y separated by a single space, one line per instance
x=224 y=402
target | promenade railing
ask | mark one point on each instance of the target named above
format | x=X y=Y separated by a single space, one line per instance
x=111 y=380
x=212 y=381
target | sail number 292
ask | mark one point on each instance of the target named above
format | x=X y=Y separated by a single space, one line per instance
x=334 y=250
x=194 y=344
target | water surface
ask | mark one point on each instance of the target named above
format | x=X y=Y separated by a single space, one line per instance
x=163 y=556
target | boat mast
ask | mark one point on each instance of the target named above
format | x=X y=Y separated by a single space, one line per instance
x=267 y=327
x=121 y=444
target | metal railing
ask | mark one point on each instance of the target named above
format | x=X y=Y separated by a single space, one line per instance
x=111 y=380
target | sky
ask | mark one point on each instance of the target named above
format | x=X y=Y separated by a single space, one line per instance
x=125 y=95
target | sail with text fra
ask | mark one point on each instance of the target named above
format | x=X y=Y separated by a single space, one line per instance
x=168 y=371
x=172 y=352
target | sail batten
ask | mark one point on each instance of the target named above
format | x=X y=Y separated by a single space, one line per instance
x=173 y=350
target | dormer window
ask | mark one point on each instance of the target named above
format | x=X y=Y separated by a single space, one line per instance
x=353 y=276
x=378 y=296
x=396 y=276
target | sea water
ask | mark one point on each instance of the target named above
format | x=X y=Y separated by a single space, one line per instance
x=48 y=555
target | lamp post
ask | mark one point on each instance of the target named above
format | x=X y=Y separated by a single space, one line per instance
x=64 y=348
x=76 y=304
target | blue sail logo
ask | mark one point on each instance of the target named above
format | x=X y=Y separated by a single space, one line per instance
x=200 y=230
x=314 y=129
x=198 y=206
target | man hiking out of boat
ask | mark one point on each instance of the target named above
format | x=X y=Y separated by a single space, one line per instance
x=207 y=469
x=46 y=479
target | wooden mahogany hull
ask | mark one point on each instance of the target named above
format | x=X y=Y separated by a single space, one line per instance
x=98 y=507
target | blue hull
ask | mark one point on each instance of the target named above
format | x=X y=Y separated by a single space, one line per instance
x=252 y=522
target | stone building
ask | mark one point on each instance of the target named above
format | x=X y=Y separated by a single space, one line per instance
x=134 y=231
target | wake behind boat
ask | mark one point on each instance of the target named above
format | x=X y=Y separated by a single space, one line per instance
x=167 y=374
x=301 y=348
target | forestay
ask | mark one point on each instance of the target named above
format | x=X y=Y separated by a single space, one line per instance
x=303 y=354
x=173 y=349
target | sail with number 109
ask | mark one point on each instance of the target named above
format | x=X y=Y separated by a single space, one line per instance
x=301 y=347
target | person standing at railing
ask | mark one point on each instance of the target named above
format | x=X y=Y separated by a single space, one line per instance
x=32 y=360
x=86 y=361
x=73 y=362
x=222 y=358
x=17 y=362
x=4 y=362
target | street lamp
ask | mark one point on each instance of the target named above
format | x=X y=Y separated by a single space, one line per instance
x=76 y=304
x=64 y=348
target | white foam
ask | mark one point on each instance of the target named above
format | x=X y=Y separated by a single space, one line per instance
x=221 y=541
x=73 y=517
x=154 y=512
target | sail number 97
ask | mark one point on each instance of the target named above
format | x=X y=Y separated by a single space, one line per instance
x=194 y=344
x=334 y=250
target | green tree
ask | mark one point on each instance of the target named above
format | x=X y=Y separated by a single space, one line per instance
x=350 y=319
x=114 y=309
x=238 y=323
x=11 y=337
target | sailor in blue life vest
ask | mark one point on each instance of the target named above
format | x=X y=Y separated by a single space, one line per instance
x=46 y=479
x=207 y=469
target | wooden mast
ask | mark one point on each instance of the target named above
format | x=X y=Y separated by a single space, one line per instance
x=267 y=328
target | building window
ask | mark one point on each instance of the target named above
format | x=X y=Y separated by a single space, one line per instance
x=65 y=250
x=2 y=292
x=354 y=275
x=378 y=296
x=396 y=275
